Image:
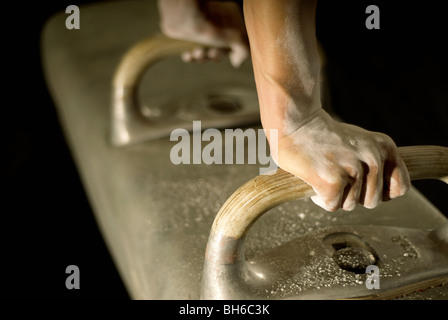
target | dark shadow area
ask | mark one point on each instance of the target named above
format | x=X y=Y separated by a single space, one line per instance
x=392 y=80
x=50 y=224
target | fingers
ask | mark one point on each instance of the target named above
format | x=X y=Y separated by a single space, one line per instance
x=353 y=191
x=330 y=195
x=215 y=54
x=396 y=178
x=380 y=178
x=238 y=54
x=343 y=193
x=372 y=191
x=202 y=54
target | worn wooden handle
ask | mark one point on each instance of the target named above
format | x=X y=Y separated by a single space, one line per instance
x=143 y=54
x=127 y=120
x=264 y=192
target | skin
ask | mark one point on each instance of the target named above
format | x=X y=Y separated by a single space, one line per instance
x=345 y=164
x=219 y=25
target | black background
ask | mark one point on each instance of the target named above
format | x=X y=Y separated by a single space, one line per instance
x=392 y=80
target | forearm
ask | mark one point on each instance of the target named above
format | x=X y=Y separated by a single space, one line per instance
x=285 y=60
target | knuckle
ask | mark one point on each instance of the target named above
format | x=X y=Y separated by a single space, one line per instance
x=385 y=144
x=382 y=138
x=355 y=171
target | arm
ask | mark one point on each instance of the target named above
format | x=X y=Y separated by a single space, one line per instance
x=344 y=164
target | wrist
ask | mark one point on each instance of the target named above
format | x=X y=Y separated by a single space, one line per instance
x=285 y=109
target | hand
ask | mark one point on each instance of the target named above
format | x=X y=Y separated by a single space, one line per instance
x=219 y=25
x=344 y=164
